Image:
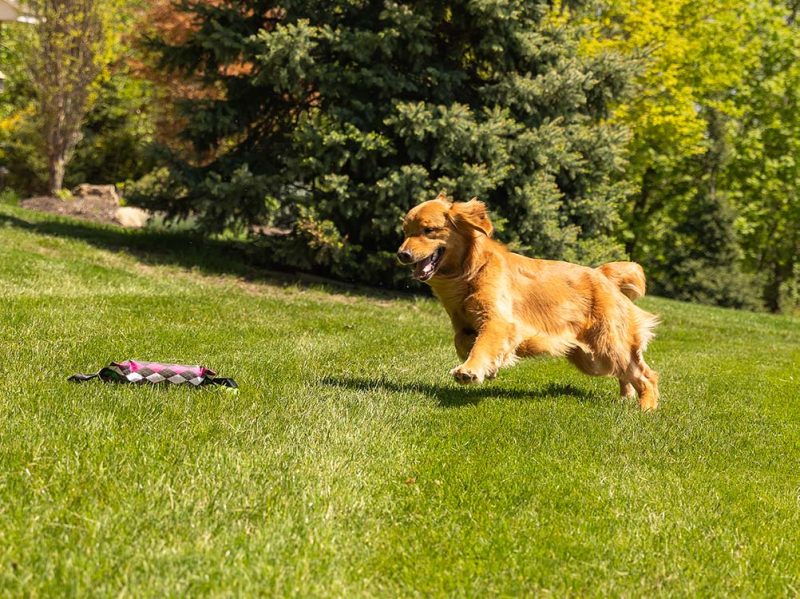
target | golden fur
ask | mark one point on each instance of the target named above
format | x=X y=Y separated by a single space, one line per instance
x=504 y=306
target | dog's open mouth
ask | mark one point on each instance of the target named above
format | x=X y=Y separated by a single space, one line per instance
x=426 y=267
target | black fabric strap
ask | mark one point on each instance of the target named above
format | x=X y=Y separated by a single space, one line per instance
x=80 y=378
x=222 y=382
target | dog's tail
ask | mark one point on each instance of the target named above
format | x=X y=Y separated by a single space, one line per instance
x=627 y=276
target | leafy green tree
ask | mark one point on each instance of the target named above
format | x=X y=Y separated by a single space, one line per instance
x=118 y=131
x=358 y=110
x=20 y=140
x=764 y=174
x=693 y=55
x=702 y=251
x=64 y=61
x=714 y=121
x=116 y=125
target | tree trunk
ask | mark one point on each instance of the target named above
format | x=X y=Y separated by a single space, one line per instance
x=638 y=214
x=772 y=291
x=56 y=168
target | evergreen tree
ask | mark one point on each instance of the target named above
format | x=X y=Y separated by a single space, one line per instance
x=356 y=110
x=702 y=257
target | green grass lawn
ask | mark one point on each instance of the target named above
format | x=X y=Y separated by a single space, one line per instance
x=349 y=464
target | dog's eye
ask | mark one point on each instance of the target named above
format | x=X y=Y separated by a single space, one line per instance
x=429 y=230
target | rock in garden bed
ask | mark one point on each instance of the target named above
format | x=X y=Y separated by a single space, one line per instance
x=98 y=203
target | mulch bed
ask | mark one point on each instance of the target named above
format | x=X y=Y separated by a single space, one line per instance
x=94 y=208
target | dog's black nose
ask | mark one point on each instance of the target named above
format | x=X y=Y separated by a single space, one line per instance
x=404 y=256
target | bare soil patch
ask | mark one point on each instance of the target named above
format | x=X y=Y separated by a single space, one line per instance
x=92 y=208
x=98 y=203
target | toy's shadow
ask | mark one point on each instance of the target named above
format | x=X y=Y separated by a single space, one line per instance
x=451 y=396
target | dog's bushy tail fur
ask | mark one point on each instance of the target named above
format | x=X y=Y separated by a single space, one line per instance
x=647 y=323
x=627 y=276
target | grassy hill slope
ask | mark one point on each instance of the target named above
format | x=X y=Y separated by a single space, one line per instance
x=349 y=464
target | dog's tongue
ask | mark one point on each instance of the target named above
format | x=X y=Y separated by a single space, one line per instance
x=424 y=268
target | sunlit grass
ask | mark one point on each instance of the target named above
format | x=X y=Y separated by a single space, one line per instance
x=349 y=464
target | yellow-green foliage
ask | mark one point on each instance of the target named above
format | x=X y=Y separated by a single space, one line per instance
x=692 y=54
x=112 y=94
x=712 y=120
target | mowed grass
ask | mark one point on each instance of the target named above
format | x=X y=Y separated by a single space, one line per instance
x=349 y=464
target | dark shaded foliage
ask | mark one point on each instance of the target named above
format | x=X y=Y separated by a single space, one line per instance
x=349 y=113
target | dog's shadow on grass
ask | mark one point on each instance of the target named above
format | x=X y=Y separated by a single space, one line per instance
x=453 y=396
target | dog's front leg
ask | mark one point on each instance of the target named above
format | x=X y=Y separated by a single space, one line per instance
x=489 y=352
x=464 y=342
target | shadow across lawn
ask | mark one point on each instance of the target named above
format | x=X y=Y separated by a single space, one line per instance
x=184 y=249
x=456 y=396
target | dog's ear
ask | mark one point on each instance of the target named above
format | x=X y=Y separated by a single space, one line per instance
x=473 y=215
x=442 y=196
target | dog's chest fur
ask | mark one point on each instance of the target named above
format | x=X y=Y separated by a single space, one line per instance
x=457 y=297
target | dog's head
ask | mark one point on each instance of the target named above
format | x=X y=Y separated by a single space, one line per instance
x=438 y=234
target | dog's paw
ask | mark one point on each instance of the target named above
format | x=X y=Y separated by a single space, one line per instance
x=465 y=376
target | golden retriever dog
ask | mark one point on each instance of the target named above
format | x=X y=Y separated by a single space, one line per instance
x=504 y=306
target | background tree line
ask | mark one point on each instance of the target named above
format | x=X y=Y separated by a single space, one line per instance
x=666 y=131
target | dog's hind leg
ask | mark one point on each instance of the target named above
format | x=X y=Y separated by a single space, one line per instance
x=593 y=365
x=644 y=380
x=589 y=362
x=626 y=390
